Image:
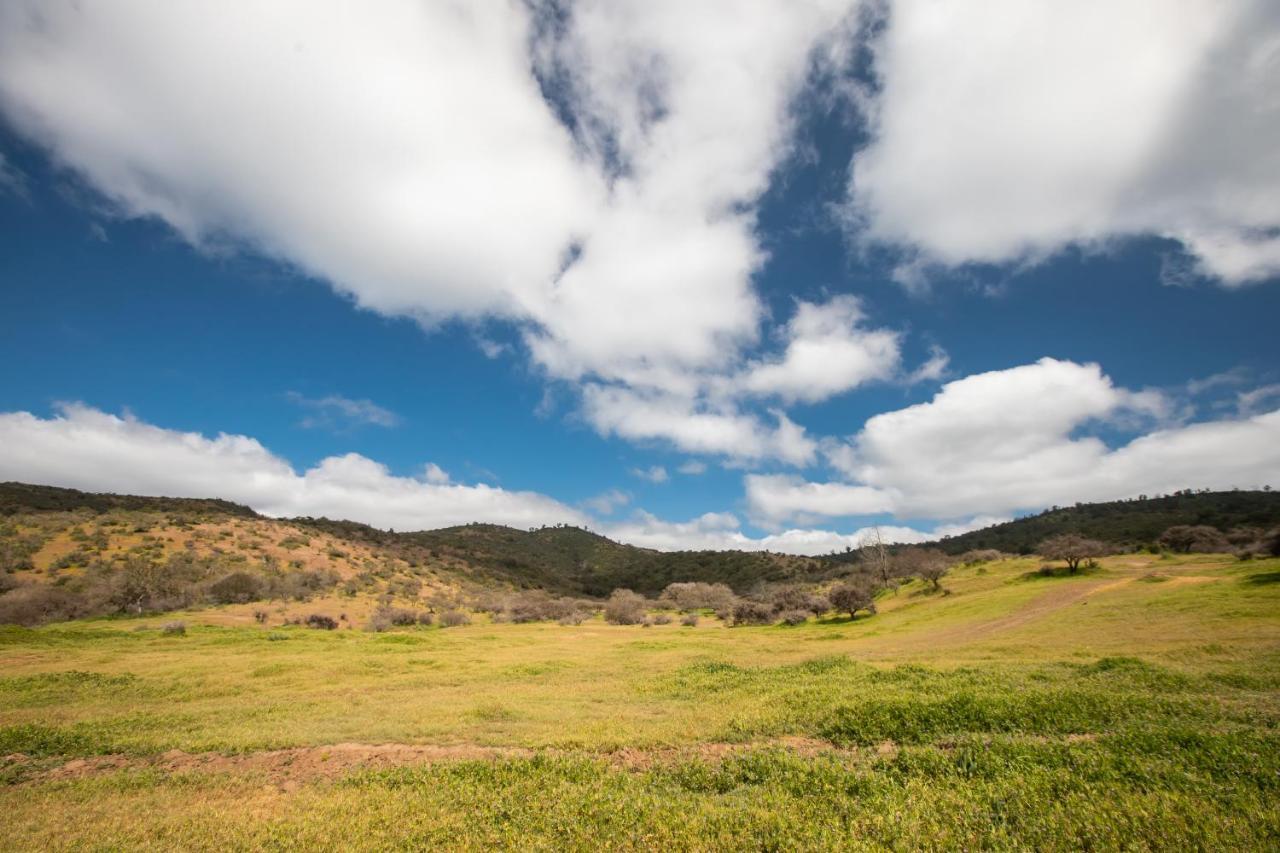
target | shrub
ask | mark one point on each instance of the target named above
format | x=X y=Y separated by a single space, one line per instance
x=697 y=595
x=689 y=620
x=575 y=618
x=852 y=597
x=260 y=616
x=321 y=622
x=426 y=617
x=277 y=636
x=537 y=606
x=400 y=616
x=625 y=607
x=1197 y=538
x=236 y=588
x=453 y=619
x=752 y=613
x=790 y=599
x=980 y=555
x=795 y=617
x=174 y=629
x=661 y=619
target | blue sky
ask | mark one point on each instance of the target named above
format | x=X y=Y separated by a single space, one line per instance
x=799 y=297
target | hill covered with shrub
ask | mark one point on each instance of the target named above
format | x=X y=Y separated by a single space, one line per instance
x=1131 y=523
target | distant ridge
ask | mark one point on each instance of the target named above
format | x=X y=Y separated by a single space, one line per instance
x=1134 y=523
x=24 y=497
x=574 y=561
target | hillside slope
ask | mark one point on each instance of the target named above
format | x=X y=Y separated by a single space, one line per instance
x=1133 y=523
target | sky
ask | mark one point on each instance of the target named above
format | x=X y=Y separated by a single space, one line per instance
x=765 y=274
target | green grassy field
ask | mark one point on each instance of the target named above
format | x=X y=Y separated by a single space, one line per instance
x=1133 y=706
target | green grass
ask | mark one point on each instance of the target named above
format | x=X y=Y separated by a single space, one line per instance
x=1067 y=712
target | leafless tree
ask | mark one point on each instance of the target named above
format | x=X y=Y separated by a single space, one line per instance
x=1071 y=548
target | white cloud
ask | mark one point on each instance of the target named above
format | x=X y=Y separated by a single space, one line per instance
x=88 y=449
x=694 y=427
x=338 y=412
x=718 y=531
x=654 y=474
x=827 y=353
x=693 y=468
x=607 y=502
x=1011 y=439
x=1009 y=133
x=408 y=154
x=434 y=474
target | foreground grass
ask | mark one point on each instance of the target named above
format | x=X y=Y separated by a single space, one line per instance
x=1113 y=709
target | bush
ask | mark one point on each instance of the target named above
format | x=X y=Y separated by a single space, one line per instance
x=752 y=613
x=980 y=555
x=174 y=629
x=795 y=617
x=321 y=622
x=625 y=607
x=260 y=616
x=400 y=616
x=236 y=588
x=35 y=604
x=454 y=619
x=575 y=618
x=790 y=599
x=689 y=620
x=697 y=596
x=538 y=606
x=1194 y=538
x=852 y=597
x=661 y=619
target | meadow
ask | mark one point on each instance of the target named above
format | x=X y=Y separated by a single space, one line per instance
x=1134 y=705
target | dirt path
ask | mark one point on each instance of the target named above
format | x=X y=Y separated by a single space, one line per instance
x=1050 y=602
x=287 y=768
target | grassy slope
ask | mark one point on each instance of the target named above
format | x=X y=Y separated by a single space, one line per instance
x=1107 y=709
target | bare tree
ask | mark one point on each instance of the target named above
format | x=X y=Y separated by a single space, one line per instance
x=928 y=564
x=1071 y=548
x=880 y=562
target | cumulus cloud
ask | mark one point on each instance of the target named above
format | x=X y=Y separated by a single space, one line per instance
x=338 y=413
x=88 y=449
x=654 y=474
x=607 y=502
x=1017 y=439
x=695 y=426
x=1010 y=134
x=578 y=170
x=827 y=352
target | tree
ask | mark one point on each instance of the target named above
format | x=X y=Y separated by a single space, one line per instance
x=851 y=597
x=928 y=564
x=1201 y=538
x=1071 y=548
x=880 y=562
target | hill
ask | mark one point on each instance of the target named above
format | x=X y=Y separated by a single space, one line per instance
x=1132 y=523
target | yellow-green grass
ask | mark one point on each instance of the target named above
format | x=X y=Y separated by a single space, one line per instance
x=1132 y=705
